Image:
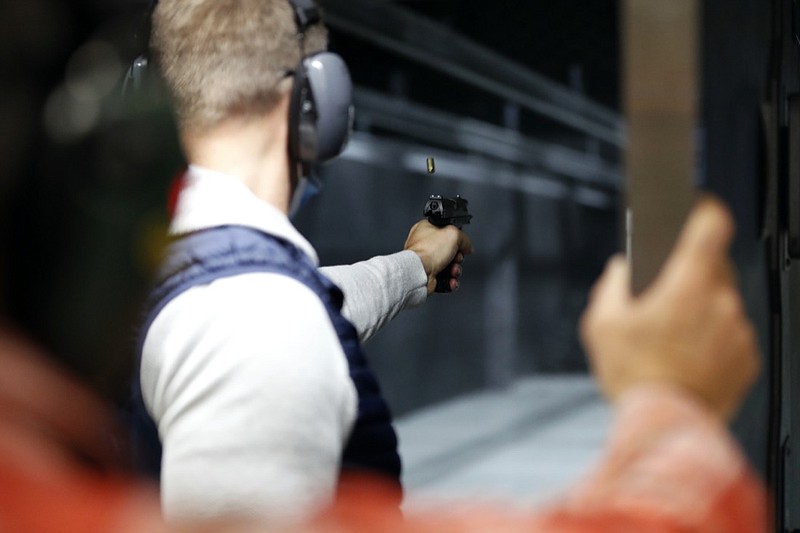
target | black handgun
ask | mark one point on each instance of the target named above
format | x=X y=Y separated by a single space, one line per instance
x=441 y=211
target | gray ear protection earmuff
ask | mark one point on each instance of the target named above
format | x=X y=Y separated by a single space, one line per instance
x=321 y=109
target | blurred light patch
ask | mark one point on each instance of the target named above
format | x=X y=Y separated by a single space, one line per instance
x=93 y=71
x=68 y=119
x=74 y=108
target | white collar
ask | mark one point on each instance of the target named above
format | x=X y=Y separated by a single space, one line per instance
x=210 y=198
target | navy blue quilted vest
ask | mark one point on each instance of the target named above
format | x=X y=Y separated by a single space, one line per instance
x=202 y=257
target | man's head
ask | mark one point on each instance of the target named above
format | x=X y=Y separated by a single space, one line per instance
x=227 y=59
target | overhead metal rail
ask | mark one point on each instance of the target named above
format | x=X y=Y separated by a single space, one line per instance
x=380 y=151
x=453 y=132
x=432 y=44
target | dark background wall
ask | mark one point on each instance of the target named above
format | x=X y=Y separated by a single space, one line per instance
x=521 y=294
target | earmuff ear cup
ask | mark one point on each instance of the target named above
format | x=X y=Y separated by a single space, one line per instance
x=321 y=109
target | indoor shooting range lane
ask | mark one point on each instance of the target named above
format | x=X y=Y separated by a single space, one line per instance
x=519 y=445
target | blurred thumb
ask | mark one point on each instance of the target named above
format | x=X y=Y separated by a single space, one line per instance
x=703 y=243
x=614 y=284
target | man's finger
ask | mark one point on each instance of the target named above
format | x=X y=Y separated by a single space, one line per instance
x=708 y=231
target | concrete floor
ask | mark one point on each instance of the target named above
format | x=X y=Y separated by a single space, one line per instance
x=519 y=446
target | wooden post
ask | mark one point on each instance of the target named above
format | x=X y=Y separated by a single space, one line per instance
x=661 y=91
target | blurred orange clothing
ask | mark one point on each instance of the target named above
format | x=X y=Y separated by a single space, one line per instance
x=669 y=465
x=58 y=455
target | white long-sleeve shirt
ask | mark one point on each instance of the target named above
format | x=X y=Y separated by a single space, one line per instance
x=246 y=378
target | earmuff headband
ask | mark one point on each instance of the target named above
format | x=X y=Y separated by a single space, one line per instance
x=320 y=110
x=306 y=14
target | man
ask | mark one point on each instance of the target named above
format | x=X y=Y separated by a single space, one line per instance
x=675 y=361
x=250 y=371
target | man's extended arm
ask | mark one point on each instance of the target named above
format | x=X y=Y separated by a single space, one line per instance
x=377 y=289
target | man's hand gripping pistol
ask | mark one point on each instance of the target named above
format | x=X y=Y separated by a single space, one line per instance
x=442 y=212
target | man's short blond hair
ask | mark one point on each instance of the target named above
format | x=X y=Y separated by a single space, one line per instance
x=225 y=59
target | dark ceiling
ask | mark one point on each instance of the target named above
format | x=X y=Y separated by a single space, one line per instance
x=552 y=37
x=574 y=42
x=571 y=42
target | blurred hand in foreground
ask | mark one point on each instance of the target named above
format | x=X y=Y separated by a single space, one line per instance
x=688 y=329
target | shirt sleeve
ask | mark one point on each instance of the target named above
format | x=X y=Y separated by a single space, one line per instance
x=250 y=390
x=670 y=465
x=375 y=291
